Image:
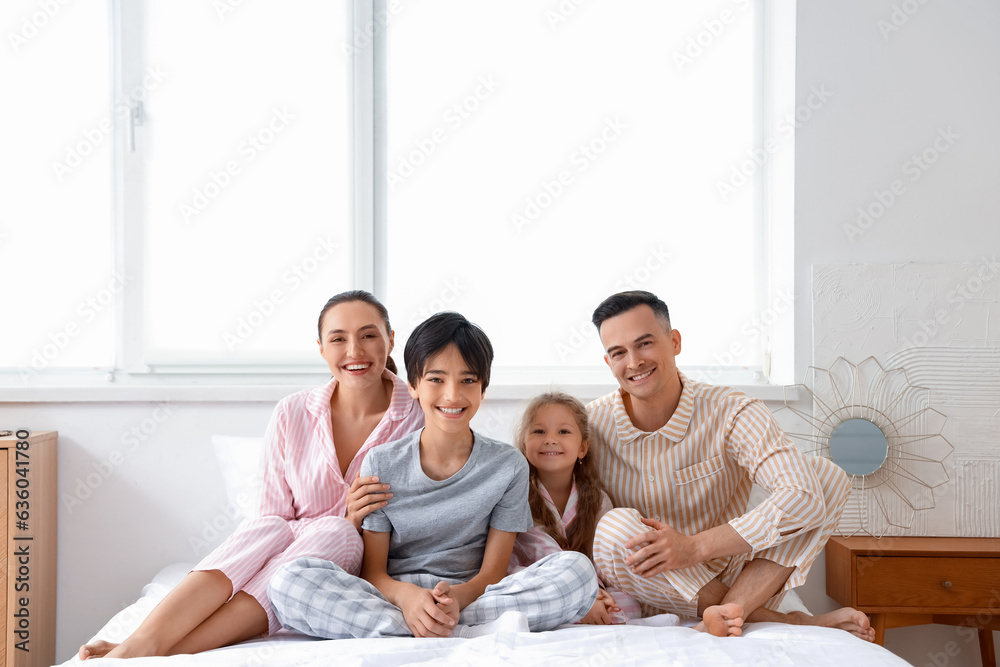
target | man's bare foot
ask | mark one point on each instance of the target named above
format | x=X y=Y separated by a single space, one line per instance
x=845 y=618
x=722 y=620
x=98 y=649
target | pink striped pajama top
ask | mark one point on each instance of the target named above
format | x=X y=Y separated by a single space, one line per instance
x=304 y=495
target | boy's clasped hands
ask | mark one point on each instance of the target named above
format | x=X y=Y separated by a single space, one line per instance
x=429 y=612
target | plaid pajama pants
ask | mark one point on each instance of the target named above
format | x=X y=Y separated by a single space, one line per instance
x=318 y=598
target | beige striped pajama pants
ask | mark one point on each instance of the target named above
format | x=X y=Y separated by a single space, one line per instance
x=676 y=591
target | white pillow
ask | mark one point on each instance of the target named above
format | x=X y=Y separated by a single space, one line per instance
x=240 y=461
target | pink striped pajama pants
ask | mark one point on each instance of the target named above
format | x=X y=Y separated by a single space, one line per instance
x=251 y=555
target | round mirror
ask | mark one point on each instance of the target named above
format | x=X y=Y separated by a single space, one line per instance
x=858 y=446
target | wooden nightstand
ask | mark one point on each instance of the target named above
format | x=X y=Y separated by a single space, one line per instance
x=28 y=561
x=902 y=581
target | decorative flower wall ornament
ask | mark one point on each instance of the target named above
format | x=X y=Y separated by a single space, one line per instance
x=848 y=400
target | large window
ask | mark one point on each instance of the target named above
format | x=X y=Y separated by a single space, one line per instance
x=184 y=198
x=539 y=161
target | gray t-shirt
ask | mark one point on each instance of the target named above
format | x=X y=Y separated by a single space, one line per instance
x=440 y=527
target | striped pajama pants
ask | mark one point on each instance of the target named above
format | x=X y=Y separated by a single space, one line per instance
x=318 y=598
x=676 y=591
x=251 y=555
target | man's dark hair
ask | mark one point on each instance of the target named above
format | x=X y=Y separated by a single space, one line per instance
x=438 y=332
x=616 y=304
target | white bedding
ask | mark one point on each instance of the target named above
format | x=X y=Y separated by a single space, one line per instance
x=763 y=645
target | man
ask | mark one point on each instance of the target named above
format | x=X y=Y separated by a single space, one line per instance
x=680 y=458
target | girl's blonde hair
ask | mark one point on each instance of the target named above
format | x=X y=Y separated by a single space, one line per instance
x=588 y=483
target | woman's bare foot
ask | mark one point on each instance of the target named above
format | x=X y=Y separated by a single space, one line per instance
x=722 y=620
x=98 y=649
x=845 y=618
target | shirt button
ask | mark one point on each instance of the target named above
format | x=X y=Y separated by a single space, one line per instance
x=650 y=478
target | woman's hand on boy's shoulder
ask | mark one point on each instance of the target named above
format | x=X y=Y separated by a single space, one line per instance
x=364 y=497
x=423 y=615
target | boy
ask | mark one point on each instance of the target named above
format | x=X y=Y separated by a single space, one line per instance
x=437 y=552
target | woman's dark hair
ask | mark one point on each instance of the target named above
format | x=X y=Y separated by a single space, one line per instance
x=616 y=304
x=364 y=297
x=438 y=332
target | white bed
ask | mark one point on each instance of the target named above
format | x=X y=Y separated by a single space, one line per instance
x=763 y=644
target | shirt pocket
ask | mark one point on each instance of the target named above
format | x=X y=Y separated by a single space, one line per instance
x=699 y=471
x=697 y=488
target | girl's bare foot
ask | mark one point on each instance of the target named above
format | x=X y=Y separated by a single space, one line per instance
x=722 y=620
x=98 y=649
x=845 y=618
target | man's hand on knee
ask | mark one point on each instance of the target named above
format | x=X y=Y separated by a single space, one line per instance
x=661 y=549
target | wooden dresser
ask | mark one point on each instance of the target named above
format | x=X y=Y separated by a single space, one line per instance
x=28 y=565
x=902 y=581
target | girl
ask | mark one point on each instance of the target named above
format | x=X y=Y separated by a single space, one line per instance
x=314 y=446
x=565 y=493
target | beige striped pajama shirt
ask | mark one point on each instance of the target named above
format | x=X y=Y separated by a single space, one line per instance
x=695 y=473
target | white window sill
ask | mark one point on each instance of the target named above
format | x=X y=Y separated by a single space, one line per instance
x=519 y=384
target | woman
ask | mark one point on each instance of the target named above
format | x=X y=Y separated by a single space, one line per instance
x=314 y=445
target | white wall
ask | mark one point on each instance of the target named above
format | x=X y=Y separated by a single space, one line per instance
x=893 y=90
x=891 y=96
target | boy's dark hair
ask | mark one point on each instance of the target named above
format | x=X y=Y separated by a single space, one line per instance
x=436 y=333
x=616 y=304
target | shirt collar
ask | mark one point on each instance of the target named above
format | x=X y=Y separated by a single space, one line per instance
x=570 y=512
x=400 y=403
x=674 y=430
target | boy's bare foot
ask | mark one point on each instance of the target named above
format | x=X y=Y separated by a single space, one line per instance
x=722 y=620
x=845 y=618
x=98 y=649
